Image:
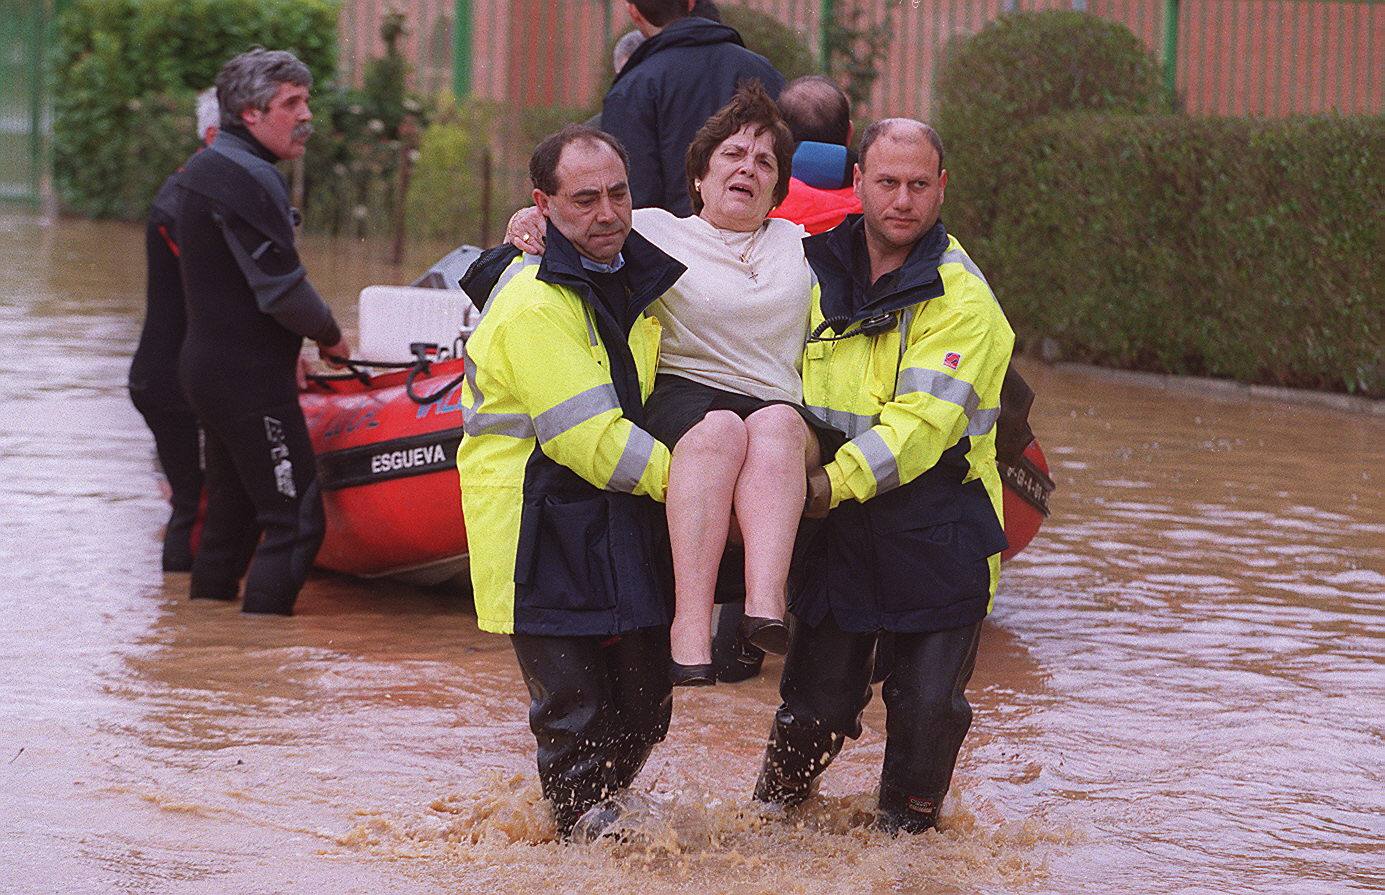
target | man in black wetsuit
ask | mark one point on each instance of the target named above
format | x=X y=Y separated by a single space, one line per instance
x=154 y=387
x=250 y=306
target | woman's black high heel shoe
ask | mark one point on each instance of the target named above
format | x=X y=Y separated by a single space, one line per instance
x=769 y=634
x=691 y=675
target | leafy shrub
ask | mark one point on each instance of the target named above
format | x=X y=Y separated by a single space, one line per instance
x=352 y=185
x=445 y=198
x=1223 y=247
x=856 y=48
x=351 y=181
x=127 y=74
x=784 y=47
x=1019 y=68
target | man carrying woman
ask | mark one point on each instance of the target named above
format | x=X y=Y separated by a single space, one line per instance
x=560 y=479
x=907 y=355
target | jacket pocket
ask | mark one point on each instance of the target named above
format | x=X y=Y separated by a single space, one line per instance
x=564 y=557
x=929 y=563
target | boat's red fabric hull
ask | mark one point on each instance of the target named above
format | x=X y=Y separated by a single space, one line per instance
x=388 y=473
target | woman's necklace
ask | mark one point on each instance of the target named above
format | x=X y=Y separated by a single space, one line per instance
x=744 y=256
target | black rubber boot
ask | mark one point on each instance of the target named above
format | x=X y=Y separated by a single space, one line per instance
x=177 y=549
x=597 y=709
x=734 y=659
x=926 y=719
x=901 y=812
x=797 y=753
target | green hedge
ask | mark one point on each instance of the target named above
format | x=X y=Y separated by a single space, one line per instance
x=785 y=48
x=1018 y=69
x=126 y=76
x=1240 y=248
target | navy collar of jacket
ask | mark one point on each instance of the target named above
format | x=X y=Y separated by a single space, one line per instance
x=842 y=264
x=649 y=272
x=690 y=31
x=240 y=137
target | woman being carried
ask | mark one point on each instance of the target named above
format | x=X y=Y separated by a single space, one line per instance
x=728 y=397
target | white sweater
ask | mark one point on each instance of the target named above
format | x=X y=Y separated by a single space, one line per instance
x=723 y=327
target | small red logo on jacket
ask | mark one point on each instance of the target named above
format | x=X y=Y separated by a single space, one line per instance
x=951 y=360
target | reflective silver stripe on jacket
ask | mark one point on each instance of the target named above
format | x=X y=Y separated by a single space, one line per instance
x=880 y=459
x=952 y=390
x=508 y=274
x=913 y=380
x=633 y=461
x=576 y=410
x=591 y=325
x=906 y=319
x=956 y=256
x=852 y=424
x=982 y=422
x=515 y=425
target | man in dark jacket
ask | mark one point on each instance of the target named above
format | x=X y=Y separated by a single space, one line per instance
x=687 y=69
x=250 y=306
x=560 y=480
x=154 y=387
x=912 y=537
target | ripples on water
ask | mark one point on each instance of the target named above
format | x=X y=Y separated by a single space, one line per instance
x=1181 y=689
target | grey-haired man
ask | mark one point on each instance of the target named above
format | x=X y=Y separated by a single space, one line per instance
x=250 y=306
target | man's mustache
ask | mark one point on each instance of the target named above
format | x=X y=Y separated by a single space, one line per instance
x=302 y=131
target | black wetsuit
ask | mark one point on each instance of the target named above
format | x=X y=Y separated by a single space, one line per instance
x=250 y=305
x=154 y=386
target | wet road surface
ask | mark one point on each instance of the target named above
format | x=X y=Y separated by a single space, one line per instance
x=1182 y=688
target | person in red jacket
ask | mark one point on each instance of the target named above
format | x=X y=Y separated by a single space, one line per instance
x=820 y=193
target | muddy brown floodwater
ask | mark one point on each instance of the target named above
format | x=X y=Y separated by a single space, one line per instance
x=1182 y=688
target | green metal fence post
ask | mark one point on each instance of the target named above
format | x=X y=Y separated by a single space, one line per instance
x=462 y=36
x=826 y=16
x=1171 y=49
x=38 y=45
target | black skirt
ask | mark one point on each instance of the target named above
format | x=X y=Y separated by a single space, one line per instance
x=678 y=404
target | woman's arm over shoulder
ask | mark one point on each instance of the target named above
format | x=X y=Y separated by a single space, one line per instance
x=656 y=223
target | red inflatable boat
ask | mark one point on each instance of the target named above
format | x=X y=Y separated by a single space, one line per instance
x=387 y=468
x=387 y=444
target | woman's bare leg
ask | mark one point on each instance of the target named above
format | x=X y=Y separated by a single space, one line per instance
x=769 y=502
x=701 y=482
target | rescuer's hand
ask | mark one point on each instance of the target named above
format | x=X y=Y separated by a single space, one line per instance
x=336 y=355
x=526 y=230
x=819 y=498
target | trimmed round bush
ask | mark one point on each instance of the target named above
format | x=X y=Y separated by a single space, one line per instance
x=1018 y=69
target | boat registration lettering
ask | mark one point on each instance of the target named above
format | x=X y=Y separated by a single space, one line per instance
x=390 y=461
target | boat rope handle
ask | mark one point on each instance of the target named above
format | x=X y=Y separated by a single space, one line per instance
x=421 y=364
x=429 y=399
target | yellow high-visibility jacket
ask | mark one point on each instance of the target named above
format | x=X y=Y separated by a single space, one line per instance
x=914 y=537
x=558 y=480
